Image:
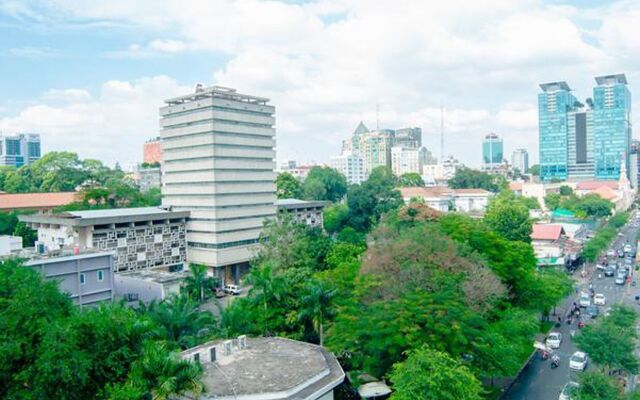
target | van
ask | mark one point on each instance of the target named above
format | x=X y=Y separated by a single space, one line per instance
x=233 y=289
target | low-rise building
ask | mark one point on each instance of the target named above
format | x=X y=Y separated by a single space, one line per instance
x=149 y=178
x=141 y=238
x=87 y=277
x=444 y=199
x=310 y=213
x=552 y=246
x=10 y=245
x=148 y=285
x=270 y=368
x=40 y=202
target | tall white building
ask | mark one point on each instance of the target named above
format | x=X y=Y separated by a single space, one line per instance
x=218 y=148
x=439 y=174
x=520 y=160
x=351 y=166
x=405 y=160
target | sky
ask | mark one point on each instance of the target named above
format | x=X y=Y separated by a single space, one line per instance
x=89 y=76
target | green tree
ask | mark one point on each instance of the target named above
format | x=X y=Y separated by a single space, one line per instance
x=534 y=170
x=410 y=179
x=594 y=206
x=368 y=201
x=324 y=183
x=287 y=186
x=198 y=286
x=29 y=236
x=510 y=219
x=265 y=288
x=335 y=217
x=596 y=386
x=317 y=307
x=565 y=190
x=531 y=203
x=467 y=178
x=429 y=374
x=552 y=201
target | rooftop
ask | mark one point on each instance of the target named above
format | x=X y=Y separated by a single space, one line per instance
x=296 y=203
x=593 y=185
x=546 y=232
x=611 y=79
x=555 y=86
x=268 y=368
x=202 y=92
x=157 y=276
x=107 y=216
x=30 y=201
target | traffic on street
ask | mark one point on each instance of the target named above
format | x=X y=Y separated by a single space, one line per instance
x=597 y=288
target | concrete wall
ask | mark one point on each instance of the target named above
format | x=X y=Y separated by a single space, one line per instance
x=147 y=291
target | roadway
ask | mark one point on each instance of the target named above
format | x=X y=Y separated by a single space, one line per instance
x=539 y=381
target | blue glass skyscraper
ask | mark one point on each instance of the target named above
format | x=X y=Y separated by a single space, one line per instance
x=554 y=104
x=611 y=125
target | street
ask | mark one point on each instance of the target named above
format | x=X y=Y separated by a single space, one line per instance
x=539 y=381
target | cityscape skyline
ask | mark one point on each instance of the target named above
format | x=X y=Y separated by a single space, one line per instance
x=92 y=98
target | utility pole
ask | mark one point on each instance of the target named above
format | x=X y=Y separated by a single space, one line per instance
x=441 y=133
x=377 y=116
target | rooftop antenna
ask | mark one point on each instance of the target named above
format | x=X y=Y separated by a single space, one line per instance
x=377 y=116
x=441 y=133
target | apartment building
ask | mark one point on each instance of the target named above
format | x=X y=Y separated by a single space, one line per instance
x=218 y=150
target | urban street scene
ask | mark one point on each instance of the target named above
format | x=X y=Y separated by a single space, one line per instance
x=319 y=200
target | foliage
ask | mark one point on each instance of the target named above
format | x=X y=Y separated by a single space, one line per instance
x=410 y=179
x=29 y=236
x=552 y=201
x=317 y=307
x=433 y=375
x=596 y=386
x=565 y=190
x=198 y=286
x=589 y=205
x=467 y=178
x=534 y=170
x=603 y=237
x=531 y=203
x=368 y=201
x=509 y=218
x=324 y=183
x=335 y=217
x=610 y=342
x=287 y=186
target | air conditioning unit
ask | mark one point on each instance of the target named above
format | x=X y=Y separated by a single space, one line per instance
x=228 y=347
x=242 y=342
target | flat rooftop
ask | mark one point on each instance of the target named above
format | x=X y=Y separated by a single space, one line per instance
x=296 y=203
x=555 y=86
x=157 y=276
x=107 y=216
x=216 y=91
x=271 y=368
x=611 y=79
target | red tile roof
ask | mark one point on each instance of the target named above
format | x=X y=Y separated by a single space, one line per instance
x=605 y=193
x=515 y=186
x=35 y=201
x=593 y=185
x=546 y=232
x=472 y=191
x=436 y=191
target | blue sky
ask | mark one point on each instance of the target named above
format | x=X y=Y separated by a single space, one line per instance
x=90 y=75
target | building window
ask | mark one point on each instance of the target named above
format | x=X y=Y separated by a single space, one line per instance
x=82 y=279
x=100 y=276
x=142 y=256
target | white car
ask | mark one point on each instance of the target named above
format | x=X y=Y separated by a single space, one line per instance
x=233 y=289
x=611 y=253
x=599 y=299
x=569 y=390
x=578 y=361
x=554 y=340
x=585 y=300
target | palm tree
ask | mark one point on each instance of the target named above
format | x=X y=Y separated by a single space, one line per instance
x=317 y=306
x=196 y=284
x=265 y=287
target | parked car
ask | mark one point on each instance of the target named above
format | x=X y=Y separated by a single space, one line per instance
x=599 y=299
x=569 y=390
x=554 y=340
x=609 y=271
x=585 y=300
x=620 y=253
x=592 y=311
x=611 y=253
x=233 y=289
x=621 y=278
x=578 y=361
x=627 y=248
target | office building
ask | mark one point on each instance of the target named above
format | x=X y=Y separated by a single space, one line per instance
x=492 y=152
x=19 y=150
x=270 y=368
x=152 y=151
x=351 y=166
x=440 y=173
x=611 y=125
x=148 y=178
x=375 y=149
x=140 y=238
x=408 y=159
x=310 y=213
x=520 y=160
x=582 y=142
x=218 y=150
x=634 y=161
x=410 y=138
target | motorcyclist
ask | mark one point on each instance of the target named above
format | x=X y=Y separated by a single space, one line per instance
x=555 y=361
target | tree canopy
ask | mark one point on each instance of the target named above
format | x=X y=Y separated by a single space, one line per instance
x=467 y=178
x=410 y=179
x=510 y=218
x=324 y=183
x=288 y=187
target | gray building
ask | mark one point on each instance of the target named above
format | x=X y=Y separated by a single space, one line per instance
x=218 y=150
x=149 y=178
x=141 y=238
x=520 y=160
x=265 y=368
x=87 y=277
x=310 y=213
x=148 y=285
x=19 y=150
x=409 y=138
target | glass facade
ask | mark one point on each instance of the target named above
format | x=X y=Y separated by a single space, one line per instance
x=19 y=150
x=492 y=150
x=553 y=106
x=612 y=125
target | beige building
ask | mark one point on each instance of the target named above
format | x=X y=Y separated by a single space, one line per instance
x=218 y=149
x=406 y=160
x=375 y=149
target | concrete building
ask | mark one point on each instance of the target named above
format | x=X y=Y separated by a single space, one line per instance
x=520 y=160
x=492 y=152
x=147 y=285
x=152 y=151
x=270 y=368
x=409 y=138
x=86 y=276
x=297 y=169
x=10 y=245
x=19 y=150
x=351 y=166
x=140 y=238
x=444 y=199
x=375 y=149
x=405 y=160
x=218 y=149
x=40 y=202
x=440 y=173
x=310 y=213
x=149 y=178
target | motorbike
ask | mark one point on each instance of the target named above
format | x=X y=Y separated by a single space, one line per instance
x=555 y=362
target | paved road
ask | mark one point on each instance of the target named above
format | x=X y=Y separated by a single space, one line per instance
x=539 y=381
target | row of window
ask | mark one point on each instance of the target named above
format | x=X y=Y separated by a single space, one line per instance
x=99 y=276
x=218 y=108
x=223 y=245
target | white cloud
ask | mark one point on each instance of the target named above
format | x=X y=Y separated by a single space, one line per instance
x=326 y=64
x=31 y=52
